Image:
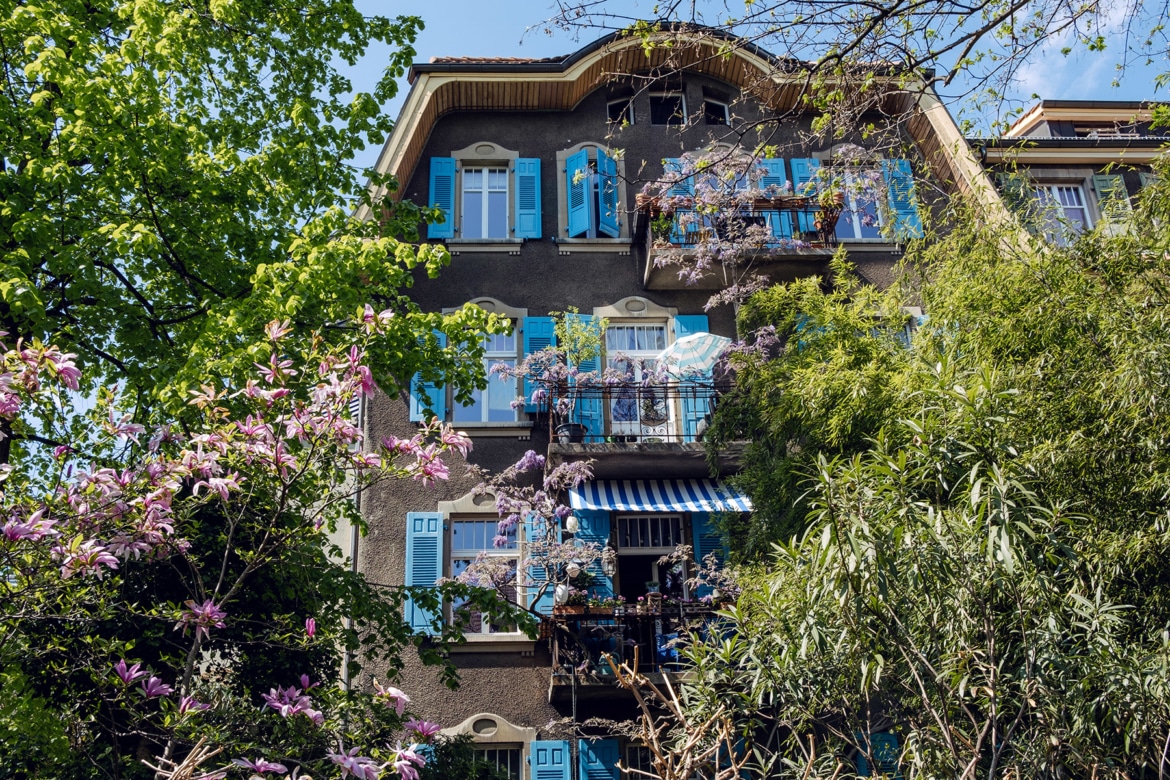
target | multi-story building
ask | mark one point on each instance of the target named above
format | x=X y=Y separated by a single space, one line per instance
x=537 y=166
x=1066 y=165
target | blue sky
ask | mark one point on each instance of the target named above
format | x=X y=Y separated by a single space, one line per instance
x=513 y=29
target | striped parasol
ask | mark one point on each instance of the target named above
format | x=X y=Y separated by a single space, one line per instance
x=698 y=353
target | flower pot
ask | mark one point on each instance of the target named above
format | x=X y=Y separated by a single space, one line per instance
x=571 y=433
x=569 y=609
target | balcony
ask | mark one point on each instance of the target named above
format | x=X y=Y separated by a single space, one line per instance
x=637 y=429
x=779 y=237
x=652 y=634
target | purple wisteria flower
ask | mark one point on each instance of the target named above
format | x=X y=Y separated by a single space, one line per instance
x=260 y=766
x=531 y=461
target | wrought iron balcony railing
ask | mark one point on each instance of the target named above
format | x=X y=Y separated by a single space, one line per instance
x=632 y=412
x=652 y=634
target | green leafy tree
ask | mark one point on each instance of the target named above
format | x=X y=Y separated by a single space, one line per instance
x=176 y=175
x=968 y=525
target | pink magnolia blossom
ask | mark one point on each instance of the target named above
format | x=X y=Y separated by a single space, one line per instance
x=310 y=627
x=360 y=767
x=203 y=616
x=276 y=369
x=220 y=485
x=391 y=697
x=154 y=687
x=33 y=529
x=86 y=557
x=260 y=766
x=191 y=704
x=276 y=330
x=128 y=675
x=292 y=701
x=424 y=728
x=406 y=762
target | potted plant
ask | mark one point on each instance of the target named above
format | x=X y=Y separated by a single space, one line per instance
x=555 y=371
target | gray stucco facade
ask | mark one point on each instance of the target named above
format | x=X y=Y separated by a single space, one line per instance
x=509 y=677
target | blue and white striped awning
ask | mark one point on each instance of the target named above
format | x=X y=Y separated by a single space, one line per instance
x=658 y=495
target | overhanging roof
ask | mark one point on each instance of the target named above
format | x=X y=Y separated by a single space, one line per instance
x=511 y=84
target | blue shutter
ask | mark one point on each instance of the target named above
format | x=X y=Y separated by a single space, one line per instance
x=443 y=196
x=527 y=198
x=706 y=539
x=539 y=332
x=550 y=759
x=424 y=563
x=900 y=184
x=773 y=179
x=695 y=395
x=684 y=187
x=588 y=408
x=804 y=183
x=579 y=190
x=884 y=748
x=597 y=759
x=535 y=527
x=595 y=529
x=428 y=395
x=607 y=182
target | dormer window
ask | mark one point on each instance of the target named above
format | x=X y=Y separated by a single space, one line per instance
x=620 y=111
x=668 y=108
x=716 y=112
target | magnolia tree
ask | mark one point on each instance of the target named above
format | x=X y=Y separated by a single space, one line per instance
x=156 y=582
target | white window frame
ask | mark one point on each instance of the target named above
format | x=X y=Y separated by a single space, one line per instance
x=1058 y=228
x=681 y=95
x=486 y=747
x=726 y=112
x=478 y=156
x=486 y=174
x=490 y=358
x=488 y=730
x=471 y=553
x=638 y=427
x=854 y=209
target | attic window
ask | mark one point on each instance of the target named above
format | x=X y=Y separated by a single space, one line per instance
x=668 y=109
x=620 y=111
x=715 y=112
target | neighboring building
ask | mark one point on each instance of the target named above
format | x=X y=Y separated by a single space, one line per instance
x=1066 y=165
x=537 y=165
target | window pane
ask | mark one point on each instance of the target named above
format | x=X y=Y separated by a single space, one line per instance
x=472 y=179
x=620 y=112
x=666 y=110
x=497 y=214
x=472 y=214
x=473 y=412
x=501 y=394
x=714 y=113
